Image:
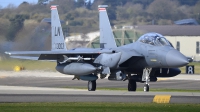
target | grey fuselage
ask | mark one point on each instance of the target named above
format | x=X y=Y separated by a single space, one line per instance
x=141 y=55
x=151 y=50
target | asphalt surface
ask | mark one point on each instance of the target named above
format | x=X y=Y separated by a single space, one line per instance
x=41 y=94
x=61 y=82
x=48 y=87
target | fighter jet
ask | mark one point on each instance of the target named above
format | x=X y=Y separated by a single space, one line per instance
x=151 y=56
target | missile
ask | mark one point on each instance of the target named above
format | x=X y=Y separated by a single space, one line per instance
x=75 y=68
x=75 y=58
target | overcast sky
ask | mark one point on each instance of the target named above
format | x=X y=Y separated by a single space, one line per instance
x=5 y=3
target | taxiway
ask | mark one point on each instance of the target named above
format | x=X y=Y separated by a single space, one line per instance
x=48 y=87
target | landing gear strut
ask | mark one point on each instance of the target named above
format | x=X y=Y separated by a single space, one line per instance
x=132 y=85
x=145 y=77
x=92 y=85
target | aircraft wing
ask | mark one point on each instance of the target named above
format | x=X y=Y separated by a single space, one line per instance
x=53 y=55
x=73 y=51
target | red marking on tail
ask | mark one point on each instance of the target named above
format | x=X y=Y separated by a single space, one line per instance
x=102 y=9
x=53 y=7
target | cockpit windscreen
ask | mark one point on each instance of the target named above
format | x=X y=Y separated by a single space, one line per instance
x=154 y=39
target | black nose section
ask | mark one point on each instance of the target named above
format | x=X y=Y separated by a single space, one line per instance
x=175 y=59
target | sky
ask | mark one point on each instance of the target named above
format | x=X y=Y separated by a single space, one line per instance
x=5 y=3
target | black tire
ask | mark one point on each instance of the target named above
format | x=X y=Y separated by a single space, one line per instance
x=132 y=86
x=91 y=85
x=146 y=88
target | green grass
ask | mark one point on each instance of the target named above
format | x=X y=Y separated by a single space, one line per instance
x=139 y=89
x=9 y=65
x=97 y=107
x=196 y=66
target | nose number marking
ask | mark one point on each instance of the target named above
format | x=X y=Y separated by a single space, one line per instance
x=190 y=70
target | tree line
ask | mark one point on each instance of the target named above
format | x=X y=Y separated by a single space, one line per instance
x=81 y=16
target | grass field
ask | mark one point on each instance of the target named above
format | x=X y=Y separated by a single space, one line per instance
x=50 y=66
x=97 y=107
x=196 y=67
x=9 y=65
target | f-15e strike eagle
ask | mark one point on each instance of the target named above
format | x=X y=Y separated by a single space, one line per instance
x=151 y=56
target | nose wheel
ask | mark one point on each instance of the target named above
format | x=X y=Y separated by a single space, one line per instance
x=92 y=85
x=146 y=87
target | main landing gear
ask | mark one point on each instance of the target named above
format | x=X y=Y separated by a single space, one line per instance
x=92 y=85
x=132 y=85
x=146 y=78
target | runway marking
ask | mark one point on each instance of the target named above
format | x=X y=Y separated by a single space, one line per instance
x=161 y=98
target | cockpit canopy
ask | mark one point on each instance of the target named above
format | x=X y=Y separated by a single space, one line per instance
x=154 y=39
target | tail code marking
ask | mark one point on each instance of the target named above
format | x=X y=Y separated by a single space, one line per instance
x=57 y=31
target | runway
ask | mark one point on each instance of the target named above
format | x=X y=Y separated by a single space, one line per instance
x=41 y=94
x=21 y=87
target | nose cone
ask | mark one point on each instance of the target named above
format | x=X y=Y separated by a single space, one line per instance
x=176 y=59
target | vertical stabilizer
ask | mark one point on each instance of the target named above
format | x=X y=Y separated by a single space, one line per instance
x=107 y=39
x=57 y=38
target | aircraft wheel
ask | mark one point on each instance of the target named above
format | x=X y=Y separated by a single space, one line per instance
x=92 y=85
x=132 y=85
x=146 y=88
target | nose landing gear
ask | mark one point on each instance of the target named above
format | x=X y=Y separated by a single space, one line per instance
x=146 y=78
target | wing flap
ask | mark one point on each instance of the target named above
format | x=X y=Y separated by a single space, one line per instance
x=25 y=57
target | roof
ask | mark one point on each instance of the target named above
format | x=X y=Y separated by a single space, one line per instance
x=171 y=30
x=186 y=22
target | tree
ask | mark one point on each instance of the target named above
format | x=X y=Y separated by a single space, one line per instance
x=89 y=4
x=162 y=9
x=65 y=6
x=16 y=25
x=145 y=3
x=196 y=12
x=188 y=2
x=80 y=3
x=96 y=3
x=115 y=3
x=42 y=2
x=112 y=13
